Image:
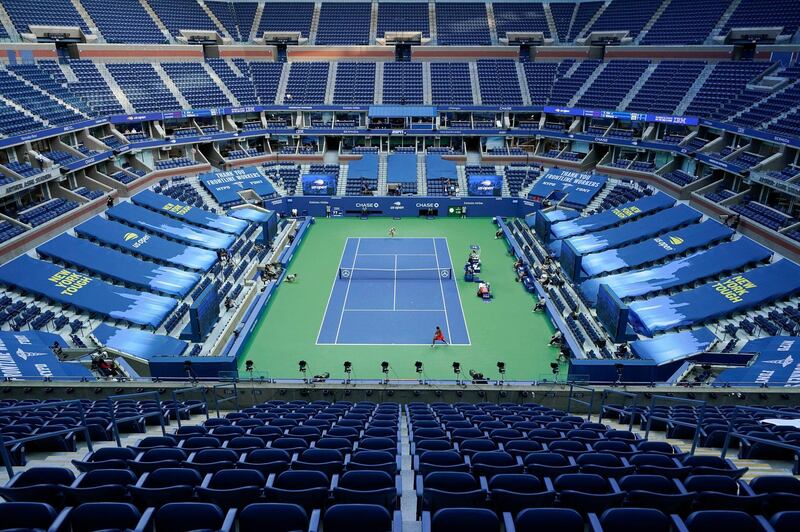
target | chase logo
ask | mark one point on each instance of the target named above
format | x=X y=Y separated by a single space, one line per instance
x=675 y=241
x=783 y=362
x=130 y=236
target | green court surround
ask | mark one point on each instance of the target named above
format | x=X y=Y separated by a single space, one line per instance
x=503 y=330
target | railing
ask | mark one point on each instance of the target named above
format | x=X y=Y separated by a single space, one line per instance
x=4 y=445
x=573 y=398
x=611 y=408
x=234 y=397
x=139 y=416
x=734 y=433
x=696 y=425
x=186 y=391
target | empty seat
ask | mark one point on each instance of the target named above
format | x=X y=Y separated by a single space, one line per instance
x=785 y=521
x=368 y=487
x=515 y=492
x=723 y=521
x=366 y=517
x=186 y=516
x=329 y=461
x=267 y=461
x=26 y=515
x=101 y=485
x=654 y=491
x=233 y=488
x=549 y=464
x=165 y=485
x=488 y=464
x=93 y=516
x=783 y=492
x=587 y=493
x=309 y=489
x=547 y=519
x=281 y=518
x=431 y=461
x=461 y=520
x=38 y=484
x=446 y=489
x=105 y=458
x=622 y=519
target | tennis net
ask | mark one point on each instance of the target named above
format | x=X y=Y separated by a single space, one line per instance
x=371 y=274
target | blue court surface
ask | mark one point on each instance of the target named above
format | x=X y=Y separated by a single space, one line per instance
x=393 y=291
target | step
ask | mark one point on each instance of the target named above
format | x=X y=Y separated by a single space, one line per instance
x=664 y=5
x=157 y=20
x=426 y=83
x=588 y=83
x=171 y=86
x=215 y=20
x=722 y=21
x=331 y=84
x=118 y=93
x=221 y=84
x=5 y=19
x=312 y=34
x=257 y=22
x=87 y=19
x=475 y=82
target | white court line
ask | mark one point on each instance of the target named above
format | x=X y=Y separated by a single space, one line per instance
x=395 y=254
x=394 y=294
x=441 y=290
x=333 y=287
x=393 y=310
x=458 y=293
x=346 y=293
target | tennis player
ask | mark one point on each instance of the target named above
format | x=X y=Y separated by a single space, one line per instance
x=392 y=231
x=438 y=336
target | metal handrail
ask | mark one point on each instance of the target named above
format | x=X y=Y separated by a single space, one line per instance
x=746 y=437
x=696 y=425
x=127 y=396
x=589 y=403
x=185 y=391
x=234 y=397
x=608 y=391
x=4 y=444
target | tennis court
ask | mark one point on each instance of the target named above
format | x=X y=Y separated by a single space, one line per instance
x=393 y=291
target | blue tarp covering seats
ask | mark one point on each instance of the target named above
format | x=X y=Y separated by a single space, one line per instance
x=27 y=354
x=140 y=344
x=117 y=235
x=579 y=188
x=555 y=216
x=438 y=168
x=402 y=111
x=251 y=215
x=167 y=227
x=726 y=257
x=193 y=215
x=119 y=266
x=225 y=186
x=672 y=347
x=402 y=168
x=714 y=300
x=366 y=167
x=676 y=242
x=612 y=217
x=777 y=364
x=68 y=287
x=636 y=230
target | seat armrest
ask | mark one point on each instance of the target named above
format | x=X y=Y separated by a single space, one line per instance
x=61 y=522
